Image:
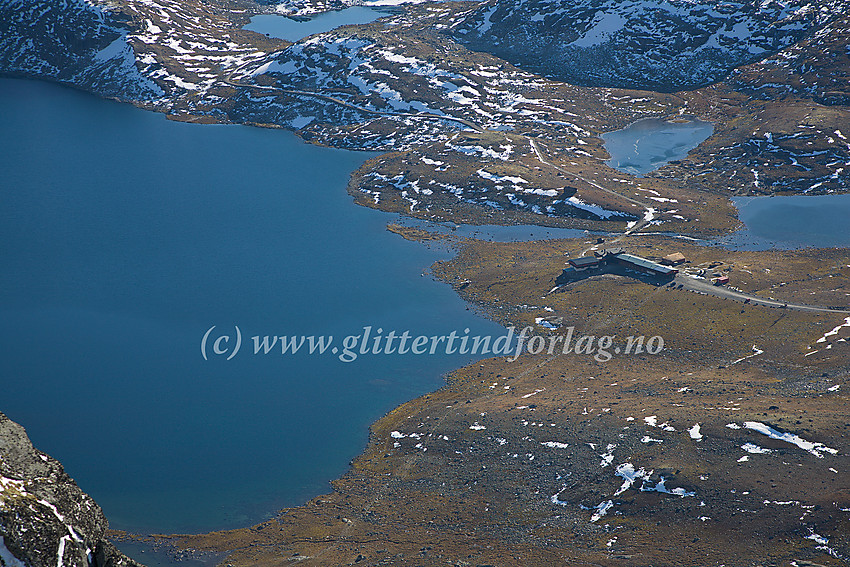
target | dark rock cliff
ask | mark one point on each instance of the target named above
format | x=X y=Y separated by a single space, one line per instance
x=45 y=519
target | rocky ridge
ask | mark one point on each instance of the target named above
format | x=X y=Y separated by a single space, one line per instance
x=45 y=519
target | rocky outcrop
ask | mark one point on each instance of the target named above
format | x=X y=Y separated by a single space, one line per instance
x=45 y=519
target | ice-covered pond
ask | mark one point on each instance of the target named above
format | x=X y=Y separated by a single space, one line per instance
x=648 y=144
x=292 y=29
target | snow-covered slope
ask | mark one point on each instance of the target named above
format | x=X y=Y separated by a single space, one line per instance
x=74 y=42
x=662 y=45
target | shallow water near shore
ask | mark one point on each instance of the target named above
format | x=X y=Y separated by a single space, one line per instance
x=127 y=236
x=499 y=233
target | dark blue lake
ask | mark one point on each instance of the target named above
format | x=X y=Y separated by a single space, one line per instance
x=793 y=221
x=292 y=30
x=648 y=144
x=126 y=237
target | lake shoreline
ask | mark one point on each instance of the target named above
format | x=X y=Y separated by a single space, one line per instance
x=710 y=448
x=223 y=231
x=470 y=443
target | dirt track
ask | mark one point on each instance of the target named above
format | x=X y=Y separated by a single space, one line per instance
x=705 y=286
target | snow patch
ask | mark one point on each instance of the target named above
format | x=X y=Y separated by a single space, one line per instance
x=816 y=449
x=601 y=509
x=755 y=449
x=694 y=432
x=594 y=209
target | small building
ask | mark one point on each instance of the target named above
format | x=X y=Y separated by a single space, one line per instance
x=644 y=266
x=583 y=263
x=673 y=259
x=722 y=280
x=569 y=275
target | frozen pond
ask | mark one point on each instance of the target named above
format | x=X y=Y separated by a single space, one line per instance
x=290 y=29
x=648 y=144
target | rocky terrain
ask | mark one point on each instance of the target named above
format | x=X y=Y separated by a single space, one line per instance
x=45 y=519
x=473 y=131
x=80 y=44
x=729 y=446
x=655 y=45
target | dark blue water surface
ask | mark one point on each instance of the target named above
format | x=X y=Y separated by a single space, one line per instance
x=793 y=221
x=292 y=30
x=125 y=237
x=648 y=144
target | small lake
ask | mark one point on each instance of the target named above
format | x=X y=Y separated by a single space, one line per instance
x=648 y=144
x=126 y=236
x=290 y=29
x=789 y=222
